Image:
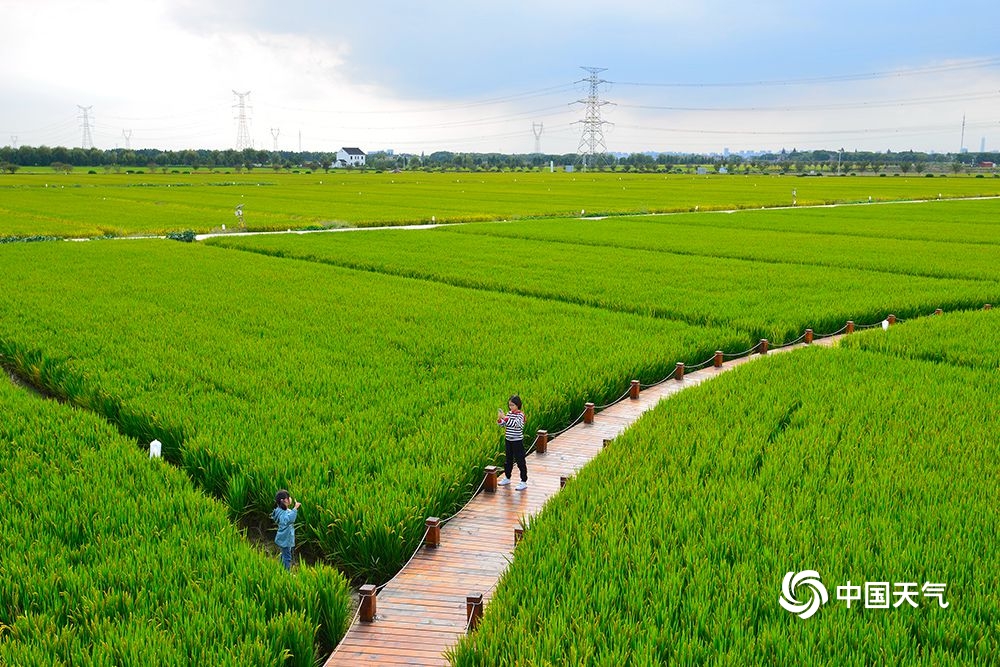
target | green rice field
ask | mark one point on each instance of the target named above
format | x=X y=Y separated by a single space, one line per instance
x=873 y=463
x=361 y=370
x=93 y=205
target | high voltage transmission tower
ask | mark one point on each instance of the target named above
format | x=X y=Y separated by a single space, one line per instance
x=536 y=129
x=128 y=139
x=275 y=131
x=243 y=129
x=88 y=140
x=592 y=140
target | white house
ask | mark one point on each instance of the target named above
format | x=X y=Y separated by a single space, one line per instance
x=350 y=157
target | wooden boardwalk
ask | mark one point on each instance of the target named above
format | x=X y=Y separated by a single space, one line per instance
x=422 y=612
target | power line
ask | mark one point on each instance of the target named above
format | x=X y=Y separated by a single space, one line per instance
x=913 y=101
x=888 y=131
x=916 y=71
x=396 y=110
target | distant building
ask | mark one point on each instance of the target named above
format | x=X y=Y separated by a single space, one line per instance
x=350 y=157
x=986 y=165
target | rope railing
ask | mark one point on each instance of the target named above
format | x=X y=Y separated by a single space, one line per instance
x=354 y=620
x=698 y=367
x=731 y=355
x=791 y=342
x=835 y=333
x=468 y=623
x=614 y=402
x=574 y=423
x=471 y=498
x=415 y=552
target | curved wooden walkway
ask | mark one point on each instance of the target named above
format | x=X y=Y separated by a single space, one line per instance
x=421 y=613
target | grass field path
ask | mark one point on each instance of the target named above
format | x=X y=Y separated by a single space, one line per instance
x=421 y=612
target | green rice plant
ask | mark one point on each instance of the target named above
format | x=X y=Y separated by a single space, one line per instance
x=773 y=300
x=115 y=558
x=948 y=239
x=85 y=205
x=953 y=339
x=369 y=397
x=237 y=496
x=671 y=547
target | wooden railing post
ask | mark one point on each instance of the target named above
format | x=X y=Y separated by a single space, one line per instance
x=368 y=593
x=542 y=442
x=850 y=326
x=588 y=413
x=518 y=534
x=891 y=320
x=433 y=532
x=938 y=311
x=562 y=481
x=633 y=390
x=762 y=346
x=490 y=485
x=809 y=336
x=605 y=442
x=473 y=610
x=718 y=359
x=679 y=371
x=988 y=306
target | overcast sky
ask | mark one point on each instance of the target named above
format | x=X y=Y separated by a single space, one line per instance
x=464 y=75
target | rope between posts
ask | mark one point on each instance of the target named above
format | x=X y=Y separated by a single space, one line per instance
x=350 y=625
x=415 y=552
x=647 y=386
x=489 y=590
x=740 y=354
x=529 y=450
x=575 y=422
x=468 y=622
x=790 y=343
x=473 y=497
x=698 y=367
x=617 y=400
x=837 y=332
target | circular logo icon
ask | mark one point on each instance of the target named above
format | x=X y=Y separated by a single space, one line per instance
x=807 y=579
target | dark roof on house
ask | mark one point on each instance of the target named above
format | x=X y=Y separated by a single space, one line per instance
x=353 y=151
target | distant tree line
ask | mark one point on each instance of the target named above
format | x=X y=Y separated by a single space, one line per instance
x=794 y=161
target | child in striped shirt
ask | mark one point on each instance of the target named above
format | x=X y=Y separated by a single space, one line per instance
x=513 y=423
